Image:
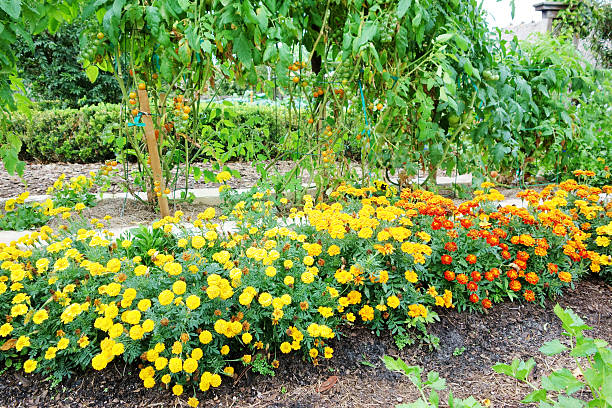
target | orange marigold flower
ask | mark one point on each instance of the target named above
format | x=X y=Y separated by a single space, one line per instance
x=515 y=285
x=532 y=278
x=486 y=303
x=529 y=295
x=565 y=277
x=471 y=259
x=447 y=259
x=449 y=276
x=450 y=246
x=462 y=278
x=474 y=298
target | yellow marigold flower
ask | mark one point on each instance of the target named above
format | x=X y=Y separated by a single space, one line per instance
x=179 y=287
x=197 y=353
x=417 y=310
x=411 y=276
x=333 y=250
x=198 y=241
x=393 y=301
x=62 y=344
x=246 y=338
x=118 y=349
x=270 y=271
x=166 y=297
x=136 y=332
x=602 y=241
x=83 y=341
x=166 y=378
x=61 y=264
x=313 y=352
x=29 y=366
x=307 y=277
x=50 y=353
x=265 y=299
x=99 y=362
x=246 y=358
x=193 y=402
x=161 y=363
x=289 y=280
x=288 y=264
x=149 y=382
x=366 y=313
x=19 y=310
x=224 y=176
x=175 y=365
x=215 y=380
x=40 y=316
x=365 y=233
x=173 y=268
x=177 y=390
x=205 y=337
x=193 y=302
x=140 y=270
x=328 y=352
x=22 y=341
x=144 y=305
x=285 y=347
x=190 y=365
x=115 y=331
x=225 y=350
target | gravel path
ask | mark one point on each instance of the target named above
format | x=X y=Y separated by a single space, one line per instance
x=38 y=177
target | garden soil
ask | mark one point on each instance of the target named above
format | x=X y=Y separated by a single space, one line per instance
x=356 y=377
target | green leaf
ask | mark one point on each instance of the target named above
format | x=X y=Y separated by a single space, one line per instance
x=553 y=347
x=11 y=7
x=572 y=323
x=535 y=396
x=444 y=37
x=585 y=346
x=403 y=7
x=562 y=380
x=462 y=42
x=153 y=19
x=243 y=50
x=92 y=73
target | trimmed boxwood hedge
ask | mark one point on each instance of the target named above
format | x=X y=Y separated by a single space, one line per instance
x=82 y=135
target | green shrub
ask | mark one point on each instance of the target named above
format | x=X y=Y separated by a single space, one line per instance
x=67 y=135
x=90 y=134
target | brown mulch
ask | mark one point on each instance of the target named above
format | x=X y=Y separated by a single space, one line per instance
x=509 y=330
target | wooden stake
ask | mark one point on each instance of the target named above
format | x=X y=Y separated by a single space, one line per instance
x=149 y=131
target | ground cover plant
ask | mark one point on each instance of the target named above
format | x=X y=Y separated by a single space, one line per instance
x=193 y=302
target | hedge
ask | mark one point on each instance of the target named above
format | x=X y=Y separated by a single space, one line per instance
x=84 y=135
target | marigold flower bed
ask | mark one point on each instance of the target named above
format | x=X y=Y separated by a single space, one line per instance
x=193 y=302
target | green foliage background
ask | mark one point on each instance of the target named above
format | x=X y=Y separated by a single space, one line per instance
x=51 y=71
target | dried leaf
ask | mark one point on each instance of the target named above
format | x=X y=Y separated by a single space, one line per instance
x=328 y=384
x=9 y=344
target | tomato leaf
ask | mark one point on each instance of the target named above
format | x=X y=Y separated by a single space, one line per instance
x=11 y=7
x=403 y=7
x=244 y=50
x=92 y=73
